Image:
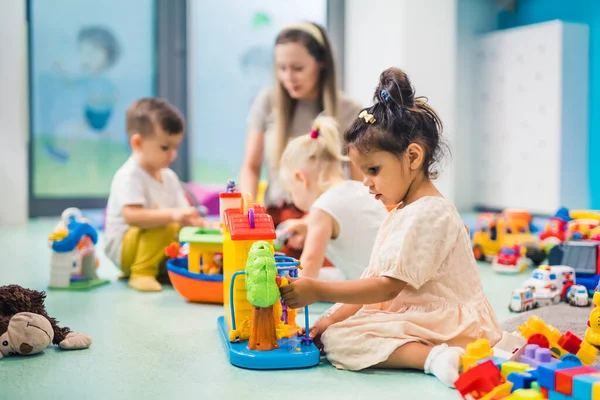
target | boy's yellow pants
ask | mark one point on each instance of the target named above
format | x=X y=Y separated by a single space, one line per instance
x=143 y=252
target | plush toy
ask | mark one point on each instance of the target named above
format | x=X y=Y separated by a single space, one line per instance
x=26 y=329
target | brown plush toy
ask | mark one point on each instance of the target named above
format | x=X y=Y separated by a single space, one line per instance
x=25 y=328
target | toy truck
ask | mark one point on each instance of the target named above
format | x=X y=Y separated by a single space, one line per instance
x=497 y=231
x=583 y=256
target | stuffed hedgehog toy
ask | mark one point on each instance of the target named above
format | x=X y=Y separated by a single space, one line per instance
x=26 y=329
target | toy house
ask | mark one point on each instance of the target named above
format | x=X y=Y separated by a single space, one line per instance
x=73 y=261
x=244 y=223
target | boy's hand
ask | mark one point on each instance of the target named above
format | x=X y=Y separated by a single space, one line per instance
x=188 y=217
x=300 y=292
x=317 y=330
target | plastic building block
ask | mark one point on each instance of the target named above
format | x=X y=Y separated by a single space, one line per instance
x=520 y=380
x=499 y=392
x=510 y=346
x=570 y=342
x=587 y=353
x=536 y=325
x=498 y=361
x=553 y=395
x=535 y=355
x=535 y=386
x=583 y=385
x=512 y=366
x=525 y=394
x=479 y=379
x=546 y=373
x=563 y=379
x=474 y=352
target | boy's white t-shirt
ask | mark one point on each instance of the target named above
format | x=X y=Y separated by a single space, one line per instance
x=132 y=185
x=359 y=217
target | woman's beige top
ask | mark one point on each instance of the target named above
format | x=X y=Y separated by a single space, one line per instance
x=262 y=118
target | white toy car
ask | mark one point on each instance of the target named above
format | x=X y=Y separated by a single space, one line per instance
x=578 y=296
x=522 y=300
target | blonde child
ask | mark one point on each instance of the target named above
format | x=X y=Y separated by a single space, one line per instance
x=147 y=204
x=343 y=218
x=420 y=301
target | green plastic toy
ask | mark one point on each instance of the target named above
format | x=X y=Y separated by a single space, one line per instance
x=261 y=274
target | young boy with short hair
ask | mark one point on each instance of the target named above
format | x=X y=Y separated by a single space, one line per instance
x=147 y=204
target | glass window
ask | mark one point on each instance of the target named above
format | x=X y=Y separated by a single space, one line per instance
x=230 y=61
x=88 y=62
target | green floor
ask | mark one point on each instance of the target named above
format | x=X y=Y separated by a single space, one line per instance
x=156 y=346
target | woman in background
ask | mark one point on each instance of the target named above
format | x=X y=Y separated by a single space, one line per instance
x=306 y=86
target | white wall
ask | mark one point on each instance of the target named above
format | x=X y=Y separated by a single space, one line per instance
x=13 y=113
x=424 y=38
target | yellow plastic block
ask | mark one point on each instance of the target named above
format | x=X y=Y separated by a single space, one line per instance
x=474 y=352
x=499 y=391
x=596 y=391
x=512 y=366
x=587 y=353
x=525 y=394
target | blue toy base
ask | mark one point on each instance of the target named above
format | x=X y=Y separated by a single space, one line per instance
x=286 y=356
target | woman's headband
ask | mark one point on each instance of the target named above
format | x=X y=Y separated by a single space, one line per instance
x=309 y=28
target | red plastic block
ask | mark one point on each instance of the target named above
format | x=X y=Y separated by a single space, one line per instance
x=544 y=392
x=570 y=342
x=479 y=379
x=563 y=379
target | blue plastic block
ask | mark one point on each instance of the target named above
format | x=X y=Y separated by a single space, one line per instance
x=552 y=395
x=498 y=361
x=545 y=372
x=520 y=380
x=582 y=386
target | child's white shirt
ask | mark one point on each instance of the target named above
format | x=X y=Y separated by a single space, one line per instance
x=359 y=217
x=132 y=185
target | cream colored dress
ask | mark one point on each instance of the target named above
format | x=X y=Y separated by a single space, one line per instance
x=426 y=245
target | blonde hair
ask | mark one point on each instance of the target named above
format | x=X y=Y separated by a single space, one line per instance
x=319 y=152
x=314 y=38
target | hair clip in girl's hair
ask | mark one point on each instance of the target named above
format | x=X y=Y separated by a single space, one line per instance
x=369 y=118
x=385 y=96
x=314 y=133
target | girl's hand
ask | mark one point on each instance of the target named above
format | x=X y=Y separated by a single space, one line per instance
x=300 y=292
x=317 y=330
x=296 y=228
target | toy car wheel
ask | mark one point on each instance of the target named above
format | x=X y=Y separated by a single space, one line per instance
x=556 y=299
x=539 y=339
x=478 y=253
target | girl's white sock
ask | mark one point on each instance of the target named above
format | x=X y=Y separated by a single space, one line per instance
x=443 y=363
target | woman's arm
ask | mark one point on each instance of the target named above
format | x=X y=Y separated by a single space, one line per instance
x=318 y=233
x=252 y=164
